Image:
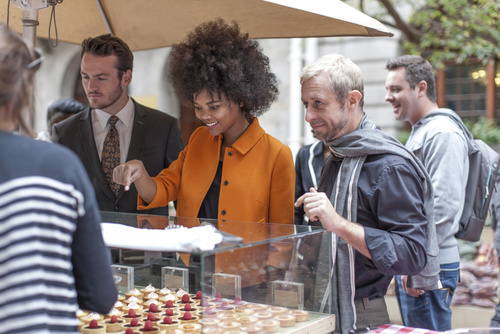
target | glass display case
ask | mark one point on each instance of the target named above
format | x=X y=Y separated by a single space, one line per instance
x=271 y=273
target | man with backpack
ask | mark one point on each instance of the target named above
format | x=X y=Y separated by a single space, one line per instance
x=443 y=147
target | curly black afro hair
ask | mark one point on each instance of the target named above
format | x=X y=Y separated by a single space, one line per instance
x=220 y=59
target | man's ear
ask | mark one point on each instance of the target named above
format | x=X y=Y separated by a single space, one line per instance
x=422 y=88
x=127 y=77
x=353 y=99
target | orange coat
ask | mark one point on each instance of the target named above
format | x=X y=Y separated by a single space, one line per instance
x=257 y=185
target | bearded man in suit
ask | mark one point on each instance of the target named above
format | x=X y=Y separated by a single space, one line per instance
x=143 y=133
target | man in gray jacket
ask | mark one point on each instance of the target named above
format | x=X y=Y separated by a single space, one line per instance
x=440 y=144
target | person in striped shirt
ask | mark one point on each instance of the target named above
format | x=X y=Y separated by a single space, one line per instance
x=52 y=256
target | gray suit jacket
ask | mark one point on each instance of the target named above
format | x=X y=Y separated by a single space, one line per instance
x=156 y=141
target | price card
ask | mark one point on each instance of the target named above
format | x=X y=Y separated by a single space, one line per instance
x=229 y=286
x=288 y=294
x=175 y=278
x=123 y=277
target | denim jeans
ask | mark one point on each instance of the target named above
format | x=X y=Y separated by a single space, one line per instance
x=432 y=309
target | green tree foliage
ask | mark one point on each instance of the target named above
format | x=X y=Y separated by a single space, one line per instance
x=457 y=30
x=443 y=30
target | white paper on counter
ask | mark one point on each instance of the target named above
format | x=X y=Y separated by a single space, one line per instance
x=197 y=238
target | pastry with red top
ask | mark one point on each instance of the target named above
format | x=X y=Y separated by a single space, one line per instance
x=188 y=317
x=130 y=331
x=173 y=313
x=208 y=312
x=167 y=323
x=114 y=324
x=225 y=306
x=135 y=324
x=185 y=299
x=94 y=328
x=189 y=307
x=153 y=308
x=168 y=304
x=154 y=318
x=130 y=315
x=149 y=328
x=238 y=302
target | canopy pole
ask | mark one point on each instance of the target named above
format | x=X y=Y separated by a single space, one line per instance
x=104 y=17
x=30 y=17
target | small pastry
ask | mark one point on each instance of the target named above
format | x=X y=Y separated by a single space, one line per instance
x=243 y=311
x=94 y=328
x=270 y=326
x=168 y=323
x=151 y=295
x=164 y=291
x=190 y=328
x=149 y=328
x=229 y=325
x=81 y=313
x=132 y=306
x=135 y=324
x=134 y=292
x=208 y=312
x=263 y=315
x=186 y=299
x=300 y=315
x=189 y=307
x=210 y=322
x=257 y=307
x=252 y=329
x=224 y=306
x=152 y=317
x=226 y=316
x=147 y=290
x=92 y=316
x=114 y=311
x=173 y=313
x=114 y=324
x=188 y=317
x=246 y=320
x=286 y=320
x=119 y=304
x=275 y=310
x=130 y=315
x=167 y=297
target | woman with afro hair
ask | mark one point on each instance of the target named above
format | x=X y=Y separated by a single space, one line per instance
x=231 y=170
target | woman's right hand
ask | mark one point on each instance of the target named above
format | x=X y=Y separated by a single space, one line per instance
x=127 y=173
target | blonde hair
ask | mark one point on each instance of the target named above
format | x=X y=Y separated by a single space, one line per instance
x=16 y=78
x=343 y=74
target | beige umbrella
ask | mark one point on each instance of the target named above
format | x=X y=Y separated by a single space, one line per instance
x=149 y=24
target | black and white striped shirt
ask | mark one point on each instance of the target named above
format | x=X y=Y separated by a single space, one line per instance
x=52 y=257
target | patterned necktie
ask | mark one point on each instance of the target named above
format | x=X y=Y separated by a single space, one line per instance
x=111 y=154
